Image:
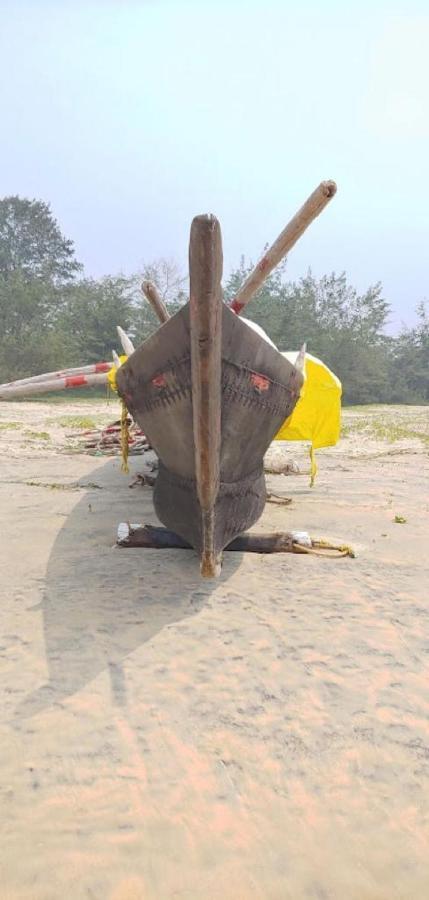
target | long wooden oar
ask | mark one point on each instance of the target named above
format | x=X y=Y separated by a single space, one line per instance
x=152 y=294
x=205 y=271
x=285 y=241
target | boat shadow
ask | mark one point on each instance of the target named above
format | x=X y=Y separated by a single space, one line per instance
x=102 y=602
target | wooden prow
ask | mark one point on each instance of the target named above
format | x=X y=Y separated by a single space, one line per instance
x=205 y=270
x=152 y=294
x=285 y=241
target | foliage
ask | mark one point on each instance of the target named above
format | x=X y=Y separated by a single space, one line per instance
x=378 y=424
x=91 y=310
x=338 y=325
x=84 y=423
x=410 y=362
x=170 y=283
x=50 y=319
x=36 y=261
x=31 y=242
x=30 y=339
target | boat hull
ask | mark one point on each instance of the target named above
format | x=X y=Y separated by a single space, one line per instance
x=259 y=390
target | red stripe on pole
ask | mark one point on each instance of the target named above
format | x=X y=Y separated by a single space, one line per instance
x=103 y=367
x=75 y=381
x=236 y=306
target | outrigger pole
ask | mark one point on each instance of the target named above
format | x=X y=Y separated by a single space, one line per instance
x=313 y=206
x=92 y=369
x=67 y=382
x=205 y=272
x=91 y=375
x=152 y=294
x=285 y=241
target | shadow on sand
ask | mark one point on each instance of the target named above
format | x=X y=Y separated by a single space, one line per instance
x=101 y=602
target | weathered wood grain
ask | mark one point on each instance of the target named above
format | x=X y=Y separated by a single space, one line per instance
x=205 y=273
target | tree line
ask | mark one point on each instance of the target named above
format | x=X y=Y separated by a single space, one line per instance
x=53 y=316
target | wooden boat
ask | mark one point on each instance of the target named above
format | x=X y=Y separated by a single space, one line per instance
x=210 y=394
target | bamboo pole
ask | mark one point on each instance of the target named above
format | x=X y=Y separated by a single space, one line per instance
x=58 y=384
x=205 y=270
x=285 y=241
x=152 y=294
x=92 y=369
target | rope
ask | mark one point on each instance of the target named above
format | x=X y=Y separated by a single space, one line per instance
x=320 y=547
x=125 y=438
x=277 y=498
x=125 y=428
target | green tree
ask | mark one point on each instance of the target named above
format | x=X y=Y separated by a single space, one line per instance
x=410 y=362
x=31 y=340
x=171 y=284
x=92 y=310
x=342 y=327
x=31 y=242
x=36 y=261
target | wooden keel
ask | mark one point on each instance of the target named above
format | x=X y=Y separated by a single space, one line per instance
x=205 y=271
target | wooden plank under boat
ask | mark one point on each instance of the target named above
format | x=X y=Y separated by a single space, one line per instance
x=210 y=394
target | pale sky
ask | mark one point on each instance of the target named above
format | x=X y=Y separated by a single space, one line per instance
x=132 y=117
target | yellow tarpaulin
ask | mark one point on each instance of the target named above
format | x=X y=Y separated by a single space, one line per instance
x=317 y=415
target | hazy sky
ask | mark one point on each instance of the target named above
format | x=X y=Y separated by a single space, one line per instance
x=132 y=117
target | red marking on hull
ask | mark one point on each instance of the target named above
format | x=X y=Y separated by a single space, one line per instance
x=159 y=381
x=260 y=382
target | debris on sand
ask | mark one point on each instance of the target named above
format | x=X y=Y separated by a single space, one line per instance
x=107 y=441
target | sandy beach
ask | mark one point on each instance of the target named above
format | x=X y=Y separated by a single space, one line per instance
x=264 y=736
